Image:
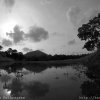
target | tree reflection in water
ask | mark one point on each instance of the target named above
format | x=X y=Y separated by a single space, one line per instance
x=92 y=86
x=31 y=68
x=15 y=87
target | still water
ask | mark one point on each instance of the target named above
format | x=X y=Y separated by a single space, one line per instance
x=42 y=83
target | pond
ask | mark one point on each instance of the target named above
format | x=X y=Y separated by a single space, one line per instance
x=42 y=83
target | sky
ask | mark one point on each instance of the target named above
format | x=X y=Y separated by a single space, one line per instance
x=47 y=25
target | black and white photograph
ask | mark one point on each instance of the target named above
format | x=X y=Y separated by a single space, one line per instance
x=49 y=49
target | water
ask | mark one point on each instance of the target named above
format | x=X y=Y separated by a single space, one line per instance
x=42 y=83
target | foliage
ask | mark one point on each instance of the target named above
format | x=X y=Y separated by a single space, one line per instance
x=14 y=54
x=90 y=32
x=1 y=47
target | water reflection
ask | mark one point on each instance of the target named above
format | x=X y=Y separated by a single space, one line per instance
x=7 y=92
x=36 y=89
x=32 y=68
x=92 y=87
x=31 y=90
x=15 y=87
x=42 y=82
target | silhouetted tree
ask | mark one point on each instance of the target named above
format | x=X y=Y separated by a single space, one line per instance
x=1 y=47
x=9 y=51
x=90 y=32
x=14 y=51
x=14 y=54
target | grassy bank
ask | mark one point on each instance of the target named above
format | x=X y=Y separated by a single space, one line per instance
x=43 y=63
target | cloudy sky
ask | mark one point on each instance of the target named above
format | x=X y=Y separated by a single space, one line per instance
x=47 y=25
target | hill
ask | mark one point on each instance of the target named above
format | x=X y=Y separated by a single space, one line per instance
x=36 y=53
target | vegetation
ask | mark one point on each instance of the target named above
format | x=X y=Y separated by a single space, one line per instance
x=1 y=47
x=12 y=54
x=90 y=32
x=36 y=56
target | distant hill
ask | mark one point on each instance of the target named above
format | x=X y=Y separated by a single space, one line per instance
x=36 y=53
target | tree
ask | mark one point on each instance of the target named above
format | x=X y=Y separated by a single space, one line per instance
x=1 y=47
x=90 y=32
x=14 y=54
x=9 y=51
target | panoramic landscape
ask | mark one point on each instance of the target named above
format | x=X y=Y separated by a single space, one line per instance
x=49 y=49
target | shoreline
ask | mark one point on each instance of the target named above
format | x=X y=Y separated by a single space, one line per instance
x=55 y=62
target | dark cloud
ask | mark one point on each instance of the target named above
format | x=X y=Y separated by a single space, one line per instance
x=72 y=42
x=37 y=34
x=9 y=3
x=17 y=35
x=27 y=49
x=6 y=42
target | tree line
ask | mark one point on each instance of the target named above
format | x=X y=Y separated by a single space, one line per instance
x=15 y=55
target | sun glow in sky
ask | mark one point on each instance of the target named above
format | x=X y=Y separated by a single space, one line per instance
x=8 y=25
x=50 y=25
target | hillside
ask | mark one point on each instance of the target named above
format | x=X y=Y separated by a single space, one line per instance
x=36 y=53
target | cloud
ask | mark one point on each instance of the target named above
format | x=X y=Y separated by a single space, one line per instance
x=6 y=42
x=89 y=14
x=27 y=49
x=78 y=17
x=72 y=42
x=9 y=3
x=94 y=2
x=58 y=34
x=17 y=35
x=74 y=14
x=41 y=50
x=37 y=34
x=43 y=2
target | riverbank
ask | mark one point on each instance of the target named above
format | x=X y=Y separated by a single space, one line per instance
x=43 y=63
x=87 y=60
